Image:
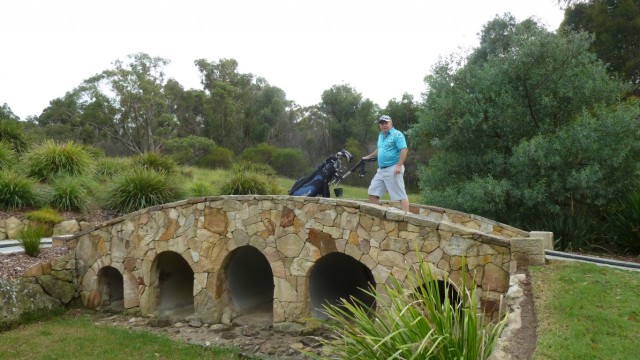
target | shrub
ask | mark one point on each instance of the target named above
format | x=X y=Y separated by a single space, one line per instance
x=201 y=188
x=71 y=193
x=250 y=179
x=17 y=191
x=189 y=150
x=424 y=323
x=11 y=132
x=262 y=153
x=623 y=224
x=45 y=215
x=7 y=155
x=571 y=231
x=156 y=162
x=109 y=168
x=246 y=183
x=45 y=218
x=29 y=238
x=291 y=163
x=258 y=168
x=219 y=157
x=51 y=159
x=141 y=188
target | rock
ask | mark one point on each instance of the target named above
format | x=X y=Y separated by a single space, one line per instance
x=19 y=298
x=66 y=227
x=13 y=226
x=57 y=288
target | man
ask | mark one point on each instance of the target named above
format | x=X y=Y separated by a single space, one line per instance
x=391 y=152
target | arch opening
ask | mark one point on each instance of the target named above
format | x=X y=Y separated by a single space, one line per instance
x=439 y=290
x=249 y=281
x=111 y=289
x=338 y=276
x=174 y=285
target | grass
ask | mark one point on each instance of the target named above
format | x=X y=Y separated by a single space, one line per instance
x=586 y=312
x=29 y=238
x=77 y=337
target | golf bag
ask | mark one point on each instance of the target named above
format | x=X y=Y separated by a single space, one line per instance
x=317 y=184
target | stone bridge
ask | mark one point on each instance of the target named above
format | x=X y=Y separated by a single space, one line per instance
x=216 y=258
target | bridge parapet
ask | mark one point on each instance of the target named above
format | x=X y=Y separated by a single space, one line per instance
x=223 y=242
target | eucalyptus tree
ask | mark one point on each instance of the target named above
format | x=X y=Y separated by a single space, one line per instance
x=349 y=117
x=188 y=108
x=531 y=123
x=135 y=90
x=68 y=118
x=228 y=92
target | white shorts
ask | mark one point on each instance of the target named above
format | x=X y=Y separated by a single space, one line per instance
x=385 y=181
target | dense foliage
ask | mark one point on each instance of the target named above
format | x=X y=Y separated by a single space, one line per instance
x=615 y=25
x=530 y=125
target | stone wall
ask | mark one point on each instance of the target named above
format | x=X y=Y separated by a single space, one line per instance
x=292 y=233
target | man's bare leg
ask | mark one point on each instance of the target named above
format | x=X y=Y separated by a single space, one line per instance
x=374 y=199
x=405 y=204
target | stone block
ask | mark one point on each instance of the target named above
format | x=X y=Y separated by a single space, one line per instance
x=547 y=236
x=66 y=227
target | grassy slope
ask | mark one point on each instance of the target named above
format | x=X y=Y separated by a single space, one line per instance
x=586 y=312
x=218 y=176
x=76 y=337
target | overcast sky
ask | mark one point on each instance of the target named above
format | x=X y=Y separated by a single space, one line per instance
x=381 y=48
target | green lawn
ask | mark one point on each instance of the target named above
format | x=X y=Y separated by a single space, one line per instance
x=77 y=337
x=586 y=312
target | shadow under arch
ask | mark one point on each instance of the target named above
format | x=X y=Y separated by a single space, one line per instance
x=338 y=276
x=172 y=280
x=248 y=280
x=439 y=290
x=110 y=289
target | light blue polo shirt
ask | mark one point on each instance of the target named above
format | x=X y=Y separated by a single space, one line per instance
x=389 y=147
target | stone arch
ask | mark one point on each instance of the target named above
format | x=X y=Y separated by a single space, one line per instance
x=335 y=276
x=246 y=283
x=110 y=288
x=171 y=285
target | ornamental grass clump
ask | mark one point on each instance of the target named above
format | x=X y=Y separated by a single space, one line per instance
x=72 y=193
x=29 y=238
x=52 y=159
x=17 y=191
x=250 y=179
x=141 y=188
x=7 y=155
x=155 y=161
x=45 y=218
x=623 y=224
x=424 y=323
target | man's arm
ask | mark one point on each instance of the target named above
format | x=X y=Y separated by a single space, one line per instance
x=372 y=155
x=403 y=157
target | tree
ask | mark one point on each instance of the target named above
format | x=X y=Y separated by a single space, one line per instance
x=348 y=115
x=616 y=27
x=527 y=128
x=228 y=91
x=136 y=91
x=187 y=106
x=11 y=129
